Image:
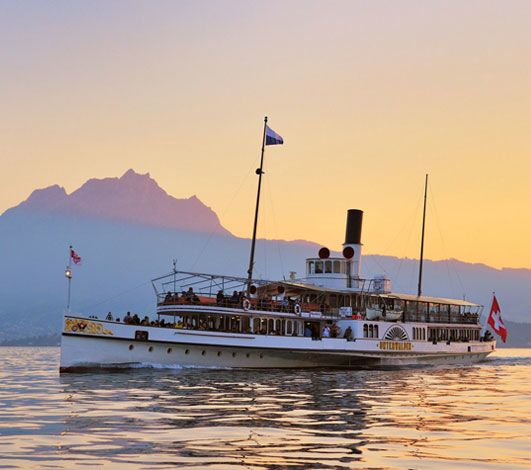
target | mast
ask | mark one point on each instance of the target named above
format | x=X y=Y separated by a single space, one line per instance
x=259 y=172
x=422 y=238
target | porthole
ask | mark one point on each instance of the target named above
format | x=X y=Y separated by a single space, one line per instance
x=150 y=348
x=203 y=353
x=131 y=347
x=187 y=351
x=169 y=350
x=233 y=354
x=219 y=353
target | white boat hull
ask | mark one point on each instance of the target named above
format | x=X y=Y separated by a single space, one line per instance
x=113 y=345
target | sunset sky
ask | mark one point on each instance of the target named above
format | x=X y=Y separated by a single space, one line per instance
x=369 y=96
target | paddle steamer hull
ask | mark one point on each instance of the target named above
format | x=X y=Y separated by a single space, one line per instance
x=89 y=344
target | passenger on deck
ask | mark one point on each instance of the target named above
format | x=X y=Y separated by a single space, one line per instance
x=109 y=316
x=334 y=330
x=220 y=297
x=136 y=319
x=145 y=321
x=235 y=298
x=326 y=331
x=307 y=331
x=285 y=304
x=189 y=294
x=348 y=334
x=168 y=298
x=128 y=318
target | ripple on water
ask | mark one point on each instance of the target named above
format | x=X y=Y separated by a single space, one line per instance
x=468 y=417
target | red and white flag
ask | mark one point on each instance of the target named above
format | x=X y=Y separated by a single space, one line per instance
x=495 y=320
x=74 y=256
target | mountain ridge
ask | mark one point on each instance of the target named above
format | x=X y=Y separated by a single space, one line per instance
x=133 y=197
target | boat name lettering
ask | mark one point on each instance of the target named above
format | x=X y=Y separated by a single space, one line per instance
x=395 y=346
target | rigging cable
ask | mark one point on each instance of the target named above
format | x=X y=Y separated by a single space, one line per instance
x=277 y=240
x=223 y=212
x=447 y=260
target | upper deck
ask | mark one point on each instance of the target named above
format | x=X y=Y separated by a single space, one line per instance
x=179 y=291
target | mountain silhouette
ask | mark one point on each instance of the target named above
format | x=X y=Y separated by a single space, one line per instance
x=133 y=198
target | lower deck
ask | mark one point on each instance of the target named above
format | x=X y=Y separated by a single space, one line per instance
x=90 y=342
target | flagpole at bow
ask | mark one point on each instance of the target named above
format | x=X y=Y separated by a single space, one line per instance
x=483 y=320
x=259 y=172
x=68 y=275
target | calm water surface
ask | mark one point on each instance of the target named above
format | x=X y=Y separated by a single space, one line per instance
x=470 y=417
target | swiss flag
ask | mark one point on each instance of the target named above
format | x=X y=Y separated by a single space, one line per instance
x=74 y=256
x=495 y=320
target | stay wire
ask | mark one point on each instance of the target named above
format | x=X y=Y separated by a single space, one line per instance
x=222 y=214
x=89 y=306
x=277 y=240
x=445 y=251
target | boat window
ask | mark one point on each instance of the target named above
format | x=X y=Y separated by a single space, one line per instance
x=434 y=308
x=423 y=307
x=289 y=327
x=318 y=267
x=376 y=335
x=337 y=266
x=328 y=266
x=310 y=267
x=365 y=330
x=454 y=309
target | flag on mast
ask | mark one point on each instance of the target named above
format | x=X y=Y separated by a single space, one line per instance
x=272 y=138
x=76 y=259
x=495 y=320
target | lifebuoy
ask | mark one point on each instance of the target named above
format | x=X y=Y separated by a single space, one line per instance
x=246 y=304
x=297 y=309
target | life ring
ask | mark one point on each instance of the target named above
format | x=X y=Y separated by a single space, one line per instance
x=246 y=304
x=297 y=309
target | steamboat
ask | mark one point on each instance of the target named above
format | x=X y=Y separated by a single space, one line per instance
x=330 y=317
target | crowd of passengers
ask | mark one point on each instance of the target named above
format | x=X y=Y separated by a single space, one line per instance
x=287 y=304
x=310 y=330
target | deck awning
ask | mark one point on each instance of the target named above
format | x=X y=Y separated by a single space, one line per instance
x=295 y=288
x=433 y=300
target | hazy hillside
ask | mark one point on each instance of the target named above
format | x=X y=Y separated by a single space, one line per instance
x=124 y=244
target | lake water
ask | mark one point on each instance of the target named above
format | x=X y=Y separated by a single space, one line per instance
x=442 y=417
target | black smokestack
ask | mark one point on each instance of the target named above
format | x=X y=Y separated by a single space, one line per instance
x=354 y=221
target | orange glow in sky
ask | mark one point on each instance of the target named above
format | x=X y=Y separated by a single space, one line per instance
x=369 y=96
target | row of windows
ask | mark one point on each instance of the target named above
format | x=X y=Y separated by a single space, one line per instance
x=327 y=267
x=419 y=333
x=240 y=324
x=453 y=334
x=370 y=331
